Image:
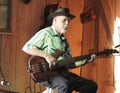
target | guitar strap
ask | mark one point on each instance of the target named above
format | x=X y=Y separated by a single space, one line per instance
x=67 y=46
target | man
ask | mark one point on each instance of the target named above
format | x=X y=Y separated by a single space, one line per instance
x=45 y=43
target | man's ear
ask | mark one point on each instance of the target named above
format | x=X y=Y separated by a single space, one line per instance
x=54 y=19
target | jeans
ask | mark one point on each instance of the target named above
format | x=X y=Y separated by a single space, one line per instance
x=69 y=82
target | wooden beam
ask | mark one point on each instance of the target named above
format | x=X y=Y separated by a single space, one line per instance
x=107 y=17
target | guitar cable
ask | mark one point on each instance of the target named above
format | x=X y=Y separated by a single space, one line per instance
x=34 y=85
x=29 y=81
x=29 y=87
x=3 y=82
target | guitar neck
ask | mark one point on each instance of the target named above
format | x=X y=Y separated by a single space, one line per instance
x=65 y=62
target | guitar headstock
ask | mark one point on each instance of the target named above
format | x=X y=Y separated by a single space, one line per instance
x=110 y=51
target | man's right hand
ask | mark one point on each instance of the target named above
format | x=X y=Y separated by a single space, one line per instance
x=51 y=60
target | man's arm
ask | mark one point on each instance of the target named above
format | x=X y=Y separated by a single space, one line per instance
x=37 y=52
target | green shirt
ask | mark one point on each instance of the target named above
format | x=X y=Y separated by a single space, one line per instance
x=49 y=41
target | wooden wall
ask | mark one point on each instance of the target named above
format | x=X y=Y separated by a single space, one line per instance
x=25 y=21
x=94 y=35
x=97 y=36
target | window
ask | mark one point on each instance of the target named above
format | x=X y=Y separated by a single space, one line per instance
x=5 y=15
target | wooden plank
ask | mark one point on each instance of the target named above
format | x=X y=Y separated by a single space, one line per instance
x=108 y=18
x=105 y=65
x=29 y=21
x=24 y=21
x=74 y=33
x=117 y=8
x=8 y=61
x=106 y=89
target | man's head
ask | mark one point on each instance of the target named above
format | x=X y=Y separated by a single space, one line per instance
x=59 y=12
x=60 y=19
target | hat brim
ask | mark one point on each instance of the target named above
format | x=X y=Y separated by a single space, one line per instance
x=52 y=15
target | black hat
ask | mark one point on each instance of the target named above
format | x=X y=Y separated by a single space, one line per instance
x=60 y=11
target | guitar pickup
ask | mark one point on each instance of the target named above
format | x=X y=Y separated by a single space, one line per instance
x=41 y=67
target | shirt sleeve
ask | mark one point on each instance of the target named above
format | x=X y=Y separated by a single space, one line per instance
x=37 y=41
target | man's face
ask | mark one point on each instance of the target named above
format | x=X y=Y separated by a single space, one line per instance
x=61 y=24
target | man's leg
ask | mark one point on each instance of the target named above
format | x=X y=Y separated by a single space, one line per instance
x=72 y=82
x=60 y=84
x=82 y=85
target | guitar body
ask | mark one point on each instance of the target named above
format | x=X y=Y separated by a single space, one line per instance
x=39 y=68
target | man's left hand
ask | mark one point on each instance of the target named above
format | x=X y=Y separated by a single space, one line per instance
x=93 y=57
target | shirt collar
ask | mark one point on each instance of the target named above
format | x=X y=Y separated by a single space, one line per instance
x=54 y=31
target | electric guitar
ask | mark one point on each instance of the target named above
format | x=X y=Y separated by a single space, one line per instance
x=40 y=71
